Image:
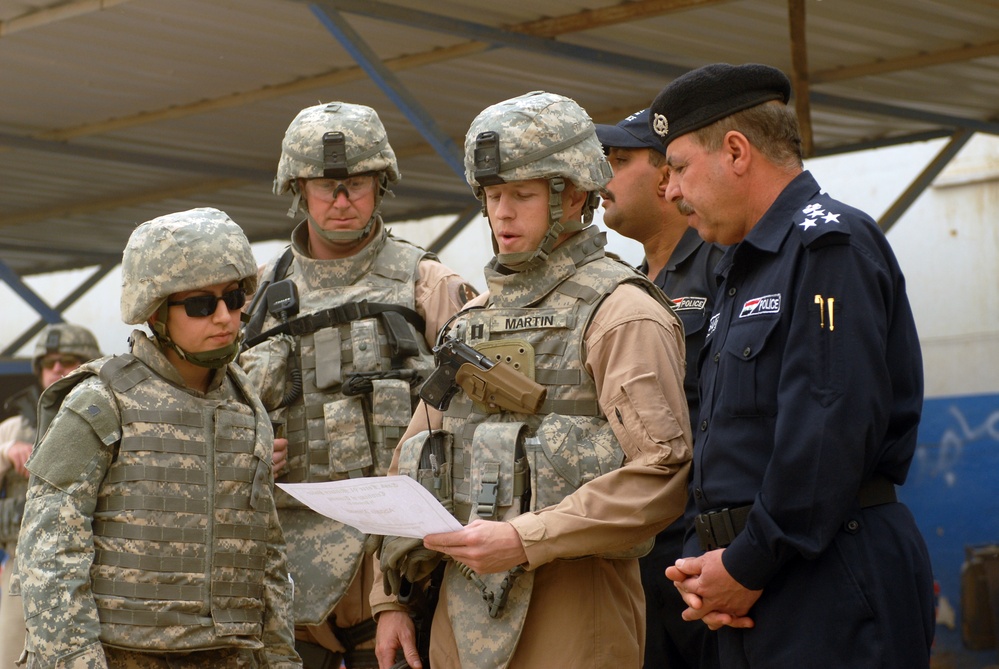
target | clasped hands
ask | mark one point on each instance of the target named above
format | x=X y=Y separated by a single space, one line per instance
x=711 y=594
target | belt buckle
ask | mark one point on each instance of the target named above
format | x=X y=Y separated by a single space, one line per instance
x=705 y=534
x=710 y=525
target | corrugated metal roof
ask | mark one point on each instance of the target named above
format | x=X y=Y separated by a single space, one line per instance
x=114 y=112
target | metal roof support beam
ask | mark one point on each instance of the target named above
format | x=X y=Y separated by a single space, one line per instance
x=498 y=37
x=134 y=158
x=66 y=303
x=455 y=228
x=925 y=178
x=10 y=277
x=12 y=367
x=800 y=74
x=42 y=17
x=386 y=80
x=894 y=111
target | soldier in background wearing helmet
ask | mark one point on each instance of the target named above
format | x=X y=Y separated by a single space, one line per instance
x=343 y=391
x=59 y=349
x=150 y=536
x=559 y=503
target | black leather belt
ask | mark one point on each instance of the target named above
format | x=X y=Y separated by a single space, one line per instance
x=718 y=529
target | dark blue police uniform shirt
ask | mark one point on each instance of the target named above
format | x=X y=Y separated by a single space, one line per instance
x=688 y=279
x=811 y=379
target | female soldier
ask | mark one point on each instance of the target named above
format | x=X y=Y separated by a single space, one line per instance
x=150 y=536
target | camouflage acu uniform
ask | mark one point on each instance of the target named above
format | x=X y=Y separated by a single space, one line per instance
x=334 y=430
x=157 y=532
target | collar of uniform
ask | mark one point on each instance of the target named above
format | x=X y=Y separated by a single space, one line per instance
x=775 y=225
x=688 y=244
x=525 y=288
x=319 y=274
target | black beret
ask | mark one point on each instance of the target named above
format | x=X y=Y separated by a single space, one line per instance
x=710 y=93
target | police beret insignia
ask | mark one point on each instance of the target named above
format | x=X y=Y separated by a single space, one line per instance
x=660 y=125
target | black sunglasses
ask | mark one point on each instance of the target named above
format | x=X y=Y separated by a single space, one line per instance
x=201 y=306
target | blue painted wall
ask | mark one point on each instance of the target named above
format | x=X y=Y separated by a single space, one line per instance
x=953 y=491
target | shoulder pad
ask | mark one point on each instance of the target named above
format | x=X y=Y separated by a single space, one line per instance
x=95 y=404
x=820 y=217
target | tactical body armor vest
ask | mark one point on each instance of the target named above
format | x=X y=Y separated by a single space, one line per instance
x=326 y=429
x=182 y=519
x=333 y=435
x=502 y=464
x=545 y=313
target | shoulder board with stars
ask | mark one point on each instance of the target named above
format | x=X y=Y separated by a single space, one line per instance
x=821 y=216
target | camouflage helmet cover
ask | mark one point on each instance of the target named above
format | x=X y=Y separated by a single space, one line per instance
x=66 y=339
x=184 y=251
x=540 y=136
x=365 y=143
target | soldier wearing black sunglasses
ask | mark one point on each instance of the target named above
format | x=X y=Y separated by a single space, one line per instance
x=159 y=462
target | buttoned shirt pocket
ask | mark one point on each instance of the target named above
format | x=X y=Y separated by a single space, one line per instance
x=751 y=369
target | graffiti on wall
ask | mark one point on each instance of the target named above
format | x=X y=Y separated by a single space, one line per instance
x=963 y=423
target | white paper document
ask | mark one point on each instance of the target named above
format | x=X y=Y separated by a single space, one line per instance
x=393 y=505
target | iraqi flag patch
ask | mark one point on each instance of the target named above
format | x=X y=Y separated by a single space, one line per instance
x=768 y=304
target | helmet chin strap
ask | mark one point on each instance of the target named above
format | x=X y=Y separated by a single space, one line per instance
x=525 y=260
x=214 y=359
x=342 y=235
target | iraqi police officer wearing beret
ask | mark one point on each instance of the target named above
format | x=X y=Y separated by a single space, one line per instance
x=59 y=349
x=682 y=264
x=811 y=392
x=342 y=390
x=559 y=499
x=150 y=536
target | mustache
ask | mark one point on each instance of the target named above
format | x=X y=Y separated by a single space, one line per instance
x=607 y=195
x=684 y=208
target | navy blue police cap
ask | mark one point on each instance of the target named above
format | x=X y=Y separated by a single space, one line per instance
x=710 y=93
x=633 y=132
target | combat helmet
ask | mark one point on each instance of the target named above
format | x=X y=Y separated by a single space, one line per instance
x=178 y=252
x=65 y=339
x=537 y=136
x=335 y=140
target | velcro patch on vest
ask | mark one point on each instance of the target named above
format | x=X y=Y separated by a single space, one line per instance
x=767 y=304
x=539 y=321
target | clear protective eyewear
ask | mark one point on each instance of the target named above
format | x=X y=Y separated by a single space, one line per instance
x=202 y=306
x=354 y=186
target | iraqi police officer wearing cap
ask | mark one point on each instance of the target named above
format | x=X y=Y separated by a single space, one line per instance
x=363 y=308
x=559 y=499
x=811 y=392
x=59 y=349
x=682 y=264
x=150 y=535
